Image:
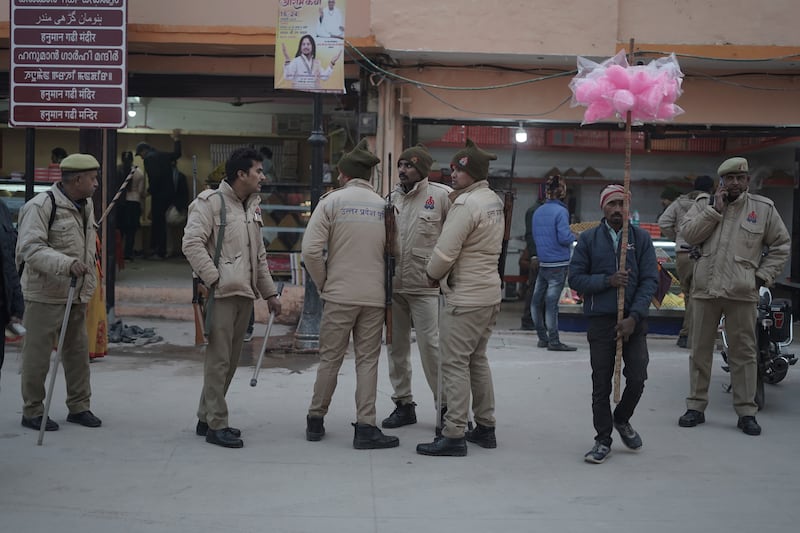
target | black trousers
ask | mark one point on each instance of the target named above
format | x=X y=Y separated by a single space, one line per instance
x=158 y=229
x=602 y=351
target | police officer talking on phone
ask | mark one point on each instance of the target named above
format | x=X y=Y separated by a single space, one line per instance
x=732 y=229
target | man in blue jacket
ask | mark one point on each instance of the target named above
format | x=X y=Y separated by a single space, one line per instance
x=553 y=242
x=595 y=273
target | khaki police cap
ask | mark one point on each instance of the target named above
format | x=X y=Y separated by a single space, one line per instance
x=734 y=165
x=79 y=163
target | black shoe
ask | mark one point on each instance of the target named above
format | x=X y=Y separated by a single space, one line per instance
x=598 y=454
x=35 y=422
x=630 y=437
x=542 y=344
x=202 y=430
x=223 y=437
x=683 y=341
x=84 y=418
x=749 y=425
x=368 y=437
x=403 y=415
x=483 y=436
x=527 y=326
x=315 y=430
x=691 y=418
x=444 y=446
x=560 y=347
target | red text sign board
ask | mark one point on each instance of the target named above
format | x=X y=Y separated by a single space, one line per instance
x=68 y=63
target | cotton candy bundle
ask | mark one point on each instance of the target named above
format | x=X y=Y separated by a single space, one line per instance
x=612 y=88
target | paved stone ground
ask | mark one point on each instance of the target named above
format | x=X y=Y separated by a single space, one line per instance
x=146 y=471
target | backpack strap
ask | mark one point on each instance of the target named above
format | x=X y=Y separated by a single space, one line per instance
x=50 y=221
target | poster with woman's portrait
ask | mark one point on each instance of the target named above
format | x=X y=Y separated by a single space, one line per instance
x=309 y=47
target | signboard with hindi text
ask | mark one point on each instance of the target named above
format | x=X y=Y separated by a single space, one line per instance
x=309 y=46
x=68 y=63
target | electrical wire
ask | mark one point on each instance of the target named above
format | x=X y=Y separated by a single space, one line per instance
x=490 y=113
x=378 y=69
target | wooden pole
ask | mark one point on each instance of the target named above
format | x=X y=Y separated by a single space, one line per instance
x=623 y=255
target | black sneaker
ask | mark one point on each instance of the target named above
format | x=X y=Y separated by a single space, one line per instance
x=598 y=454
x=84 y=418
x=542 y=344
x=683 y=341
x=691 y=418
x=202 y=429
x=560 y=347
x=483 y=436
x=403 y=415
x=749 y=425
x=35 y=422
x=630 y=437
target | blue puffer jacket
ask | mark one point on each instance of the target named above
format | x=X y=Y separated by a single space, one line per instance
x=595 y=260
x=552 y=234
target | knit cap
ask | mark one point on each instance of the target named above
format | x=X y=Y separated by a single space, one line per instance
x=611 y=193
x=420 y=159
x=473 y=160
x=359 y=162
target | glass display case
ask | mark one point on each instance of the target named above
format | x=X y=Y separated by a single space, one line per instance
x=12 y=192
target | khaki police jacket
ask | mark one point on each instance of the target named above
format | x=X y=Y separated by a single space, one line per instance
x=348 y=226
x=670 y=220
x=731 y=245
x=48 y=254
x=421 y=213
x=242 y=269
x=465 y=258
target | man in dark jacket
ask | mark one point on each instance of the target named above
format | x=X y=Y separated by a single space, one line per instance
x=595 y=274
x=160 y=178
x=11 y=303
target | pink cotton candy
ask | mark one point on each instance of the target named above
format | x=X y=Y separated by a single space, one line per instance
x=618 y=76
x=671 y=89
x=585 y=91
x=598 y=110
x=623 y=101
x=641 y=80
x=649 y=101
x=667 y=112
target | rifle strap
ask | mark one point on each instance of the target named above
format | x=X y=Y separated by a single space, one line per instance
x=217 y=250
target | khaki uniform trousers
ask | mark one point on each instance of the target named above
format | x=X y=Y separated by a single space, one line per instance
x=421 y=312
x=229 y=319
x=685 y=267
x=366 y=323
x=740 y=324
x=464 y=334
x=43 y=322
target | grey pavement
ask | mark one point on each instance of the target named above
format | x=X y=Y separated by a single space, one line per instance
x=146 y=471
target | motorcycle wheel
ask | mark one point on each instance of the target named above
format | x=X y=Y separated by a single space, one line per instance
x=776 y=376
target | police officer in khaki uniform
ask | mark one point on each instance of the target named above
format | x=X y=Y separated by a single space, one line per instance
x=53 y=252
x=464 y=264
x=732 y=228
x=237 y=277
x=348 y=223
x=421 y=207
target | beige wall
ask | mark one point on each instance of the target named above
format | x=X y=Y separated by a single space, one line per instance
x=523 y=27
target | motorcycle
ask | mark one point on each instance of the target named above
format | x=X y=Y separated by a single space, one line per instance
x=774 y=331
